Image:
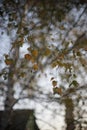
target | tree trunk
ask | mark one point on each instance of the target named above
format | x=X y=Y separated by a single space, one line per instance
x=9 y=100
x=69 y=117
x=31 y=125
x=9 y=97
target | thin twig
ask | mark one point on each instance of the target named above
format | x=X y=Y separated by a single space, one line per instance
x=74 y=25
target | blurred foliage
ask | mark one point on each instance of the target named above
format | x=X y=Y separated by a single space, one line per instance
x=45 y=27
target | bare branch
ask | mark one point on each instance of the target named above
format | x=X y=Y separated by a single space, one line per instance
x=74 y=25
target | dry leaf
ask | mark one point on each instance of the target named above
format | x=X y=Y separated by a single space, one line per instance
x=27 y=56
x=35 y=67
x=54 y=83
x=8 y=61
x=52 y=78
x=47 y=52
x=57 y=90
x=35 y=53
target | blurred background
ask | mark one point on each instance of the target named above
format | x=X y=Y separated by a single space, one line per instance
x=43 y=62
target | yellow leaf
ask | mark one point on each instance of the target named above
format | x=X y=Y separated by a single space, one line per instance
x=8 y=61
x=35 y=53
x=57 y=90
x=32 y=60
x=47 y=52
x=54 y=83
x=35 y=67
x=27 y=56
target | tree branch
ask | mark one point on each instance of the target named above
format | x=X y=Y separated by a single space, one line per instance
x=74 y=25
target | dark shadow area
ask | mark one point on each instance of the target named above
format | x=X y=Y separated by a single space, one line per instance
x=18 y=120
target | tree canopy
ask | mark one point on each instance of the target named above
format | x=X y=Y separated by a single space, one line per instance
x=49 y=33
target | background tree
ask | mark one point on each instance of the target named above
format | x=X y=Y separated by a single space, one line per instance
x=33 y=24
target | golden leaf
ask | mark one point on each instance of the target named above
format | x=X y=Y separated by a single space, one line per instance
x=54 y=83
x=33 y=60
x=27 y=56
x=35 y=53
x=57 y=90
x=8 y=61
x=35 y=67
